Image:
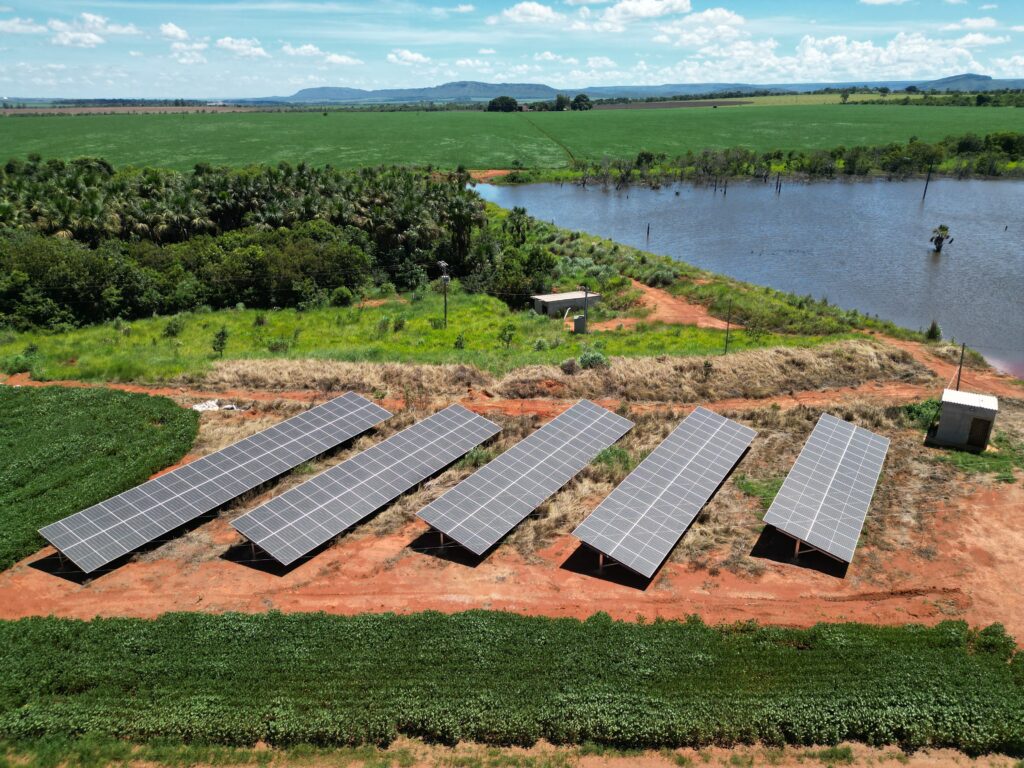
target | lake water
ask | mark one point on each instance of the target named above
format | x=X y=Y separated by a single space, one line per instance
x=862 y=245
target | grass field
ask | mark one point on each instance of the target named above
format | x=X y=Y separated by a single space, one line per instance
x=141 y=350
x=478 y=139
x=66 y=449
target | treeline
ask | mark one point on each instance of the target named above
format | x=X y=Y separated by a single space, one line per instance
x=996 y=154
x=1006 y=98
x=81 y=242
x=506 y=679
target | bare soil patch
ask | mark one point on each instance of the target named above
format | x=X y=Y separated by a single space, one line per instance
x=664 y=308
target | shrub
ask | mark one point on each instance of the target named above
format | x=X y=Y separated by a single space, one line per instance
x=398 y=325
x=570 y=367
x=460 y=341
x=593 y=358
x=174 y=327
x=341 y=297
x=260 y=320
x=934 y=332
x=540 y=345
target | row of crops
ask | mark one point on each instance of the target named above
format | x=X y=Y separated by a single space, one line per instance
x=508 y=679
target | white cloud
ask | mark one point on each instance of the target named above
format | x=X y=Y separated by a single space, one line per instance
x=616 y=17
x=172 y=31
x=1017 y=28
x=135 y=54
x=17 y=26
x=699 y=29
x=549 y=56
x=487 y=51
x=480 y=64
x=460 y=8
x=988 y=7
x=984 y=22
x=956 y=2
x=245 y=47
x=303 y=50
x=528 y=12
x=600 y=62
x=977 y=39
x=341 y=59
x=1011 y=67
x=884 y=2
x=406 y=57
x=87 y=30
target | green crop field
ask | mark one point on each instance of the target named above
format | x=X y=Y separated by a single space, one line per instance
x=66 y=449
x=478 y=139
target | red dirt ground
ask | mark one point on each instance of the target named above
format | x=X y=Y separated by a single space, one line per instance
x=974 y=573
x=487 y=175
x=665 y=308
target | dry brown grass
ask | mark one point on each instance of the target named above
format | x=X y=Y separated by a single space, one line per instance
x=382 y=379
x=750 y=374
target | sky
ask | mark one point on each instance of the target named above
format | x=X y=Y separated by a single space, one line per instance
x=246 y=48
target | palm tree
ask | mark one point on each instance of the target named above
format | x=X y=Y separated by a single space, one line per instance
x=940 y=236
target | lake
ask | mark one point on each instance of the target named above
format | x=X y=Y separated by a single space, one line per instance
x=862 y=245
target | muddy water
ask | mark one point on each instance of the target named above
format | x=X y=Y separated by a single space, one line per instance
x=861 y=245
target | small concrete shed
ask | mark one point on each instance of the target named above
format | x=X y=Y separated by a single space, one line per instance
x=965 y=420
x=556 y=304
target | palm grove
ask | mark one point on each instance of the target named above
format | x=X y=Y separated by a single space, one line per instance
x=82 y=242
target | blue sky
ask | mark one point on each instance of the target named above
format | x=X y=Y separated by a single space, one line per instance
x=168 y=48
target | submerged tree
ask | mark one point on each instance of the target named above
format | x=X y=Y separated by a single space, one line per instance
x=940 y=236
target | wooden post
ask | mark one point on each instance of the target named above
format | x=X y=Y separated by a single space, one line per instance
x=960 y=367
x=796 y=549
x=927 y=181
x=728 y=325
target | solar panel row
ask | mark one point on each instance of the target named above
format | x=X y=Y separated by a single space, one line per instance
x=296 y=522
x=484 y=507
x=104 y=532
x=825 y=498
x=640 y=522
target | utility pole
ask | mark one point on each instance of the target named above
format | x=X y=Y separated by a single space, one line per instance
x=960 y=367
x=445 y=279
x=586 y=303
x=728 y=324
x=927 y=181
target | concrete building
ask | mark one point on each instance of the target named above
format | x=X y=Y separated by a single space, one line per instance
x=556 y=304
x=965 y=420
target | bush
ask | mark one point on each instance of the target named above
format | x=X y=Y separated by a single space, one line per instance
x=460 y=341
x=934 y=332
x=341 y=297
x=593 y=358
x=540 y=345
x=174 y=327
x=570 y=367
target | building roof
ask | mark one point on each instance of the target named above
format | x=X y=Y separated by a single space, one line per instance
x=970 y=399
x=568 y=296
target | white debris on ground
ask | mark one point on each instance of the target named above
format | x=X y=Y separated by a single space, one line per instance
x=214 y=405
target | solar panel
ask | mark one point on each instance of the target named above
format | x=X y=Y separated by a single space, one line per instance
x=492 y=501
x=640 y=522
x=102 y=533
x=825 y=498
x=301 y=519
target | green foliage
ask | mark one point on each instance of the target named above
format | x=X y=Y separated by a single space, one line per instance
x=174 y=326
x=923 y=414
x=1004 y=456
x=764 y=490
x=593 y=358
x=934 y=332
x=220 y=341
x=834 y=755
x=66 y=449
x=350 y=680
x=503 y=104
x=507 y=334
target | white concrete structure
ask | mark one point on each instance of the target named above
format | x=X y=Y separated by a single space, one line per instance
x=965 y=420
x=556 y=304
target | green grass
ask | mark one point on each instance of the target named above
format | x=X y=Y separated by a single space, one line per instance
x=764 y=490
x=65 y=449
x=505 y=679
x=1002 y=459
x=477 y=139
x=139 y=351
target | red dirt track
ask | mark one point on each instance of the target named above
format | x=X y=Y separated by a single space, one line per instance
x=974 y=573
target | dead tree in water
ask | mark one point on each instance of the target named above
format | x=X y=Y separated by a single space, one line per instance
x=940 y=236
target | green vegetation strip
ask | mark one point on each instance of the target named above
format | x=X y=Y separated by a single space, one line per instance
x=507 y=679
x=477 y=139
x=65 y=449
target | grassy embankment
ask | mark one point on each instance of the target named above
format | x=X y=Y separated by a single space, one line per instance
x=478 y=139
x=507 y=679
x=66 y=449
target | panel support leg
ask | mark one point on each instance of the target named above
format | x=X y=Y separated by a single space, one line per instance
x=600 y=561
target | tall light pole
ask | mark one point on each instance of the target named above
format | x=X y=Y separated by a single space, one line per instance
x=445 y=279
x=586 y=303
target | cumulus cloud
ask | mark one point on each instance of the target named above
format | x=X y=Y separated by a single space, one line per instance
x=699 y=29
x=616 y=17
x=341 y=59
x=460 y=8
x=487 y=51
x=406 y=57
x=979 y=39
x=549 y=56
x=984 y=22
x=172 y=31
x=302 y=50
x=188 y=53
x=528 y=12
x=17 y=26
x=244 y=47
x=87 y=30
x=473 y=64
x=600 y=62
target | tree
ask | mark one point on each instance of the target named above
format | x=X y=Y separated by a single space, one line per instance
x=582 y=103
x=503 y=104
x=506 y=334
x=562 y=103
x=940 y=236
x=220 y=341
x=884 y=91
x=844 y=95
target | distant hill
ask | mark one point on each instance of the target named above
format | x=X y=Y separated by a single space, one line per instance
x=460 y=91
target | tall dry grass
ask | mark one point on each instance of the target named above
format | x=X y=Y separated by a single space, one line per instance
x=751 y=374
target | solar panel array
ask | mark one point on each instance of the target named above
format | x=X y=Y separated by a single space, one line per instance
x=640 y=522
x=102 y=533
x=825 y=498
x=489 y=503
x=301 y=519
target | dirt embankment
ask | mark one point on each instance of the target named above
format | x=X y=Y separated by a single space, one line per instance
x=664 y=308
